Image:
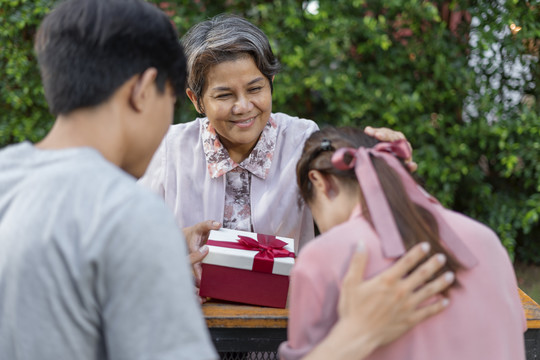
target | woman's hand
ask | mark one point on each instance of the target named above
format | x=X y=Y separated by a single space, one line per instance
x=196 y=237
x=389 y=135
x=377 y=311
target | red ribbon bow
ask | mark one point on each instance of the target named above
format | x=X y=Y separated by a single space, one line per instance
x=268 y=246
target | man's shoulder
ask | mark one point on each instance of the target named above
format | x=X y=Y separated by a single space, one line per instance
x=114 y=205
x=79 y=190
x=83 y=178
x=57 y=168
x=89 y=170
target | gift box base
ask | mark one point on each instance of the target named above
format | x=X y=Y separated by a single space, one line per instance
x=248 y=287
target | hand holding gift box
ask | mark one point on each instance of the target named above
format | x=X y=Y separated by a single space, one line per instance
x=247 y=267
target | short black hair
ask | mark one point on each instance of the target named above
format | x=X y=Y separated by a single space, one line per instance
x=87 y=49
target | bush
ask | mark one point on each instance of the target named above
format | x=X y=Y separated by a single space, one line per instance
x=23 y=110
x=448 y=74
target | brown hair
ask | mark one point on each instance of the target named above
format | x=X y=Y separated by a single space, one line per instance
x=414 y=222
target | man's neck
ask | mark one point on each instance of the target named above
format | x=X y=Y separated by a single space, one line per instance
x=99 y=128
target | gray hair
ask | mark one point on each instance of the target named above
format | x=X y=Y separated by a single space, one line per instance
x=223 y=38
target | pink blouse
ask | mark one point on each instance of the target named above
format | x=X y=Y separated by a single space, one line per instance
x=485 y=318
x=181 y=174
x=237 y=211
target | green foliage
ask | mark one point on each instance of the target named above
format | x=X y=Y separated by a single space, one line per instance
x=466 y=94
x=23 y=110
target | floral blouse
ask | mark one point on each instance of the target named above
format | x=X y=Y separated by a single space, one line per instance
x=237 y=212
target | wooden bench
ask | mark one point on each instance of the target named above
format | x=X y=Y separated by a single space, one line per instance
x=532 y=335
x=244 y=328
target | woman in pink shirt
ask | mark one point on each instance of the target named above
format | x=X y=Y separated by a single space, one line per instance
x=359 y=190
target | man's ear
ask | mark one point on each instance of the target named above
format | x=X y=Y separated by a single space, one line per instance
x=193 y=97
x=142 y=89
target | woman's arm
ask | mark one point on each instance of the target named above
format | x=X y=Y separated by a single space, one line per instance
x=390 y=305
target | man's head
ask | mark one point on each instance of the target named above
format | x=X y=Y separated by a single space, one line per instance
x=87 y=49
x=111 y=71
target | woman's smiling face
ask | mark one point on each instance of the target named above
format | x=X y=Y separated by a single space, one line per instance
x=237 y=100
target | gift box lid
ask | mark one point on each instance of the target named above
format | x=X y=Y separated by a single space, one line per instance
x=243 y=258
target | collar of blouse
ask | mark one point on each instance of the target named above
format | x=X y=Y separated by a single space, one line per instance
x=258 y=162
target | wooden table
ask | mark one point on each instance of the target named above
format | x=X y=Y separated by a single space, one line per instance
x=244 y=328
x=532 y=335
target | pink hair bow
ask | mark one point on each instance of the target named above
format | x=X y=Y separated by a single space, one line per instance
x=381 y=215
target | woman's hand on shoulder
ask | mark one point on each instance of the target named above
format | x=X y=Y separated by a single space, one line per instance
x=377 y=311
x=393 y=302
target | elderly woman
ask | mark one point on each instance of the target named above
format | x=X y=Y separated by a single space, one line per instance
x=236 y=164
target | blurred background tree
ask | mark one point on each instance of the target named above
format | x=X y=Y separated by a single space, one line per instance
x=460 y=78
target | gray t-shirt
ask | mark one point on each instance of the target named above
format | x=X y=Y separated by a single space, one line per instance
x=92 y=266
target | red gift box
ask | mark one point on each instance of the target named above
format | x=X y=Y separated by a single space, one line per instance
x=247 y=267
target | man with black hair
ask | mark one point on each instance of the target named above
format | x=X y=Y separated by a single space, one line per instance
x=93 y=266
